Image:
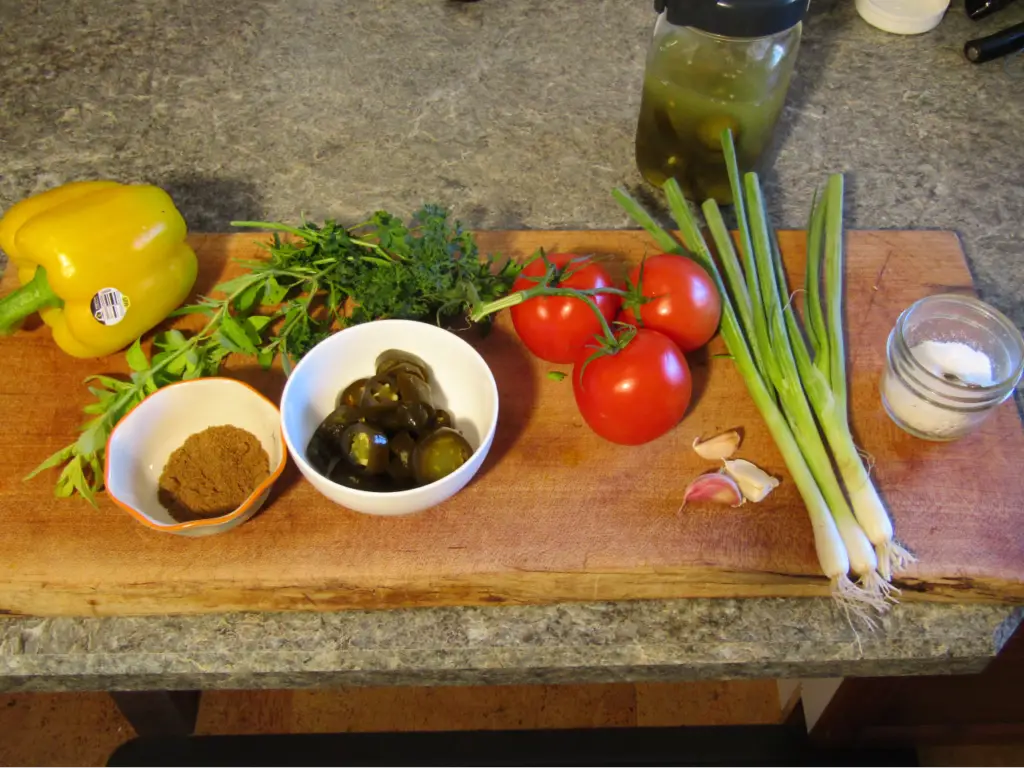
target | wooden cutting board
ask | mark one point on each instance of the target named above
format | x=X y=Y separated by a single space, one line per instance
x=556 y=513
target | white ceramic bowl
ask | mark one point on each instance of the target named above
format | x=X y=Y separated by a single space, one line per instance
x=463 y=384
x=143 y=441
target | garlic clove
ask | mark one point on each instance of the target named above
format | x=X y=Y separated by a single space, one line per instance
x=755 y=484
x=716 y=487
x=719 y=447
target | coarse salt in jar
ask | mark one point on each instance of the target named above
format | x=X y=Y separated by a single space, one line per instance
x=950 y=360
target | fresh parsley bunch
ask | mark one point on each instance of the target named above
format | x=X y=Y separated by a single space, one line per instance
x=316 y=279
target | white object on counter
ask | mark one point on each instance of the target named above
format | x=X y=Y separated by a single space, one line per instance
x=903 y=17
x=944 y=359
x=461 y=379
x=142 y=442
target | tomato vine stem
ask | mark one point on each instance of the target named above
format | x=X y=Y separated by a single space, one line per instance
x=607 y=342
x=543 y=289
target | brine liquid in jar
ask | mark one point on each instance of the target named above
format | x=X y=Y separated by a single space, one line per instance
x=696 y=85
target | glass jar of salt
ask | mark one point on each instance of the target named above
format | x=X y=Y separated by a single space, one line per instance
x=950 y=360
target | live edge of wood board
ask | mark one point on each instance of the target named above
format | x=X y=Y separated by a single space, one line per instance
x=556 y=513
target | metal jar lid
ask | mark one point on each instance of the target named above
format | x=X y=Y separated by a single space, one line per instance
x=735 y=18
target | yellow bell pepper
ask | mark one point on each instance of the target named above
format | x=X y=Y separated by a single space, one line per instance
x=101 y=262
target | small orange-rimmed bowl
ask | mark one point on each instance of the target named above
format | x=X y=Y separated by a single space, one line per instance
x=143 y=441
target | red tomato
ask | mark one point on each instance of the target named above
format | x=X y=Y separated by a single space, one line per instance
x=637 y=394
x=555 y=328
x=684 y=305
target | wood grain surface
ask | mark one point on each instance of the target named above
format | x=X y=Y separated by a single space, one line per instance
x=555 y=514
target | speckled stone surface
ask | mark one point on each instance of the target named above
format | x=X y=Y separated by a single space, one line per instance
x=641 y=640
x=514 y=113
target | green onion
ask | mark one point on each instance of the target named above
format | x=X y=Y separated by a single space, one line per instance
x=792 y=357
x=812 y=283
x=751 y=313
x=834 y=288
x=800 y=390
x=833 y=411
x=829 y=546
x=795 y=390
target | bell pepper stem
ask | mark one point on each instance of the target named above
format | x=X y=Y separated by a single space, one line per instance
x=31 y=297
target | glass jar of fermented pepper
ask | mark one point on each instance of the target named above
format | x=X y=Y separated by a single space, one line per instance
x=714 y=64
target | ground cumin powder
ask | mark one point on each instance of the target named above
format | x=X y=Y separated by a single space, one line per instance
x=212 y=473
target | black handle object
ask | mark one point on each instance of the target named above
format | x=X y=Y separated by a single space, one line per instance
x=979 y=9
x=1006 y=41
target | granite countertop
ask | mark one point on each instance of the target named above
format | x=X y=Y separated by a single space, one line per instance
x=515 y=114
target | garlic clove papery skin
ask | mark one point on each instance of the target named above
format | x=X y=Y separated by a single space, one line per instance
x=715 y=487
x=719 y=447
x=754 y=483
